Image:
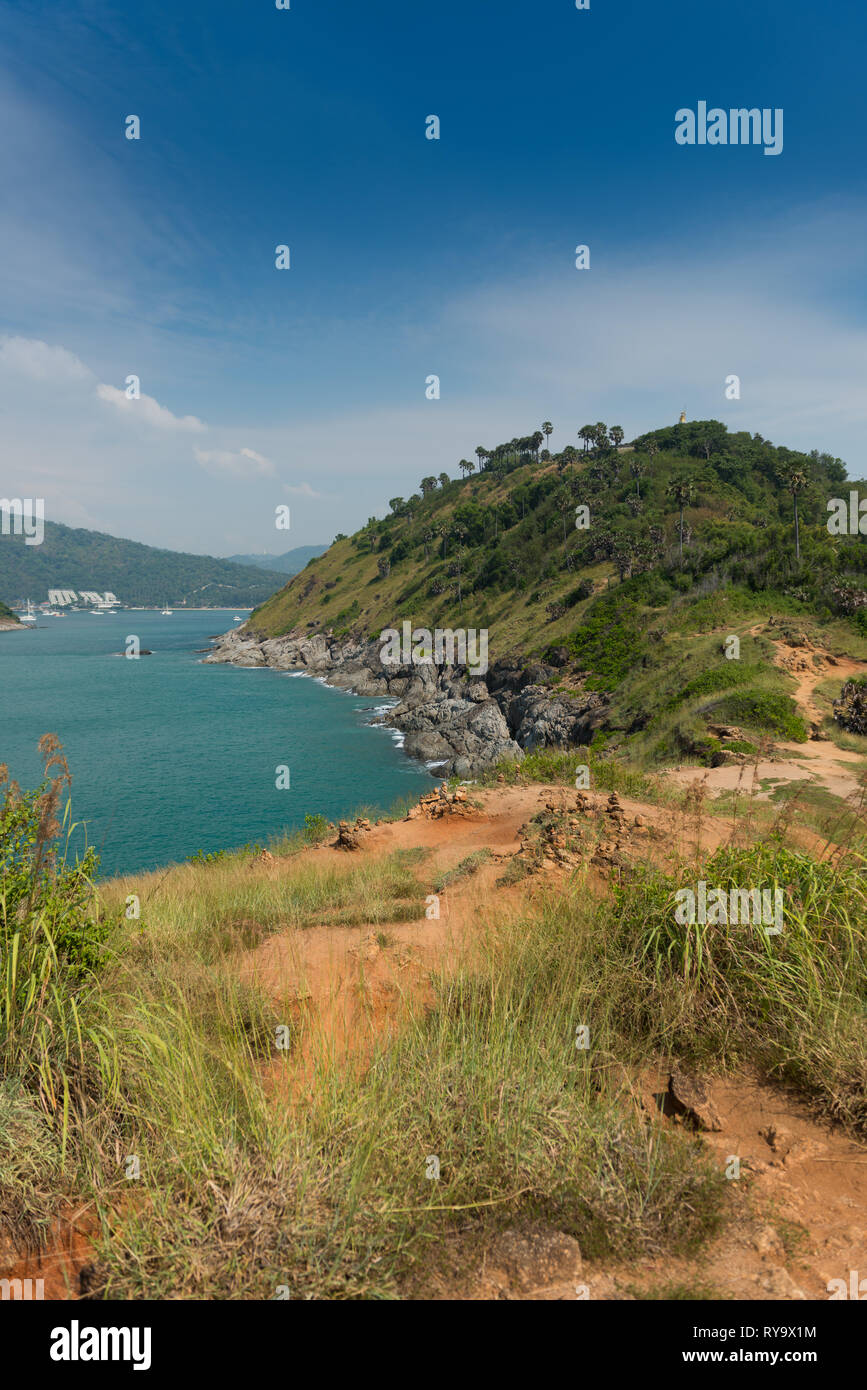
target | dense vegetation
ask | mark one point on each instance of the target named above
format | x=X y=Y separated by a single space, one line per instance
x=616 y=563
x=685 y=511
x=6 y=614
x=70 y=558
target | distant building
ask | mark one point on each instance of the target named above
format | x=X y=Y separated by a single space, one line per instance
x=62 y=598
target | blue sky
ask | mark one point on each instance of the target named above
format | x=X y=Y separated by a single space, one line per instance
x=409 y=256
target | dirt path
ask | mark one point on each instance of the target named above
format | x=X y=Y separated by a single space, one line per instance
x=819 y=760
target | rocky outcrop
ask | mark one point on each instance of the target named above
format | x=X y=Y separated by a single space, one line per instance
x=451 y=717
x=850 y=710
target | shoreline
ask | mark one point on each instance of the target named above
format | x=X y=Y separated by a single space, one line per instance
x=451 y=720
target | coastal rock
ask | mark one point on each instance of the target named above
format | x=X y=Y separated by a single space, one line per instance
x=460 y=720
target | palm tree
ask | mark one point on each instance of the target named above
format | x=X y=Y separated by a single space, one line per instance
x=795 y=480
x=536 y=440
x=481 y=454
x=615 y=434
x=682 y=490
x=547 y=429
x=427 y=538
x=427 y=485
x=466 y=467
x=444 y=479
x=586 y=433
x=637 y=469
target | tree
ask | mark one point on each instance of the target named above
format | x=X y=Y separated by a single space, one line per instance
x=547 y=429
x=427 y=485
x=615 y=434
x=466 y=467
x=481 y=454
x=537 y=440
x=397 y=504
x=637 y=469
x=600 y=434
x=383 y=564
x=427 y=537
x=564 y=505
x=444 y=479
x=587 y=434
x=682 y=490
x=795 y=479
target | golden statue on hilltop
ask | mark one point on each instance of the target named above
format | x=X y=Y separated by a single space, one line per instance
x=682 y=420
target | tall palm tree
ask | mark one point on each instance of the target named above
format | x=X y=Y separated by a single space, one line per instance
x=615 y=434
x=481 y=454
x=547 y=429
x=637 y=469
x=795 y=480
x=466 y=467
x=682 y=490
x=586 y=433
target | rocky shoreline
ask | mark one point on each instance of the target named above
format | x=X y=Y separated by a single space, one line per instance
x=461 y=722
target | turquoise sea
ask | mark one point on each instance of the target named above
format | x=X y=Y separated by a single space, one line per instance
x=168 y=756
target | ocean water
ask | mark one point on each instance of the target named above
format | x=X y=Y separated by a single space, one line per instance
x=168 y=756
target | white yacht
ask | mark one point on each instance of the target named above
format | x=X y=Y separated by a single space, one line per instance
x=28 y=616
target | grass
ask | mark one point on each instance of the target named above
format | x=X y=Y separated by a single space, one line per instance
x=249 y=1182
x=464 y=869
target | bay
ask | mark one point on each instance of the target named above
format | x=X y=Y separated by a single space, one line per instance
x=169 y=756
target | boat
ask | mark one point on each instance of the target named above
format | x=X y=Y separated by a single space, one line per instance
x=166 y=612
x=28 y=616
x=236 y=619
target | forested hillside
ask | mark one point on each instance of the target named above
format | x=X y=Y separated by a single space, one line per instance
x=70 y=558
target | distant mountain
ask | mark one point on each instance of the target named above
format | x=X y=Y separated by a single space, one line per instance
x=290 y=563
x=7 y=616
x=70 y=558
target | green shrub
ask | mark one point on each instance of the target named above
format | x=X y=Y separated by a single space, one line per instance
x=758 y=709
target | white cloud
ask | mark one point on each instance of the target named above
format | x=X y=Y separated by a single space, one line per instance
x=301 y=490
x=244 y=463
x=145 y=409
x=39 y=361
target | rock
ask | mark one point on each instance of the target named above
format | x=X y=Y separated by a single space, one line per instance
x=533 y=1260
x=850 y=709
x=347 y=836
x=449 y=715
x=689 y=1094
x=366 y=949
x=780 y=1140
x=767 y=1242
x=779 y=1284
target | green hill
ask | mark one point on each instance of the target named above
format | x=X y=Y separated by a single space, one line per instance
x=690 y=533
x=289 y=563
x=70 y=558
x=6 y=614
